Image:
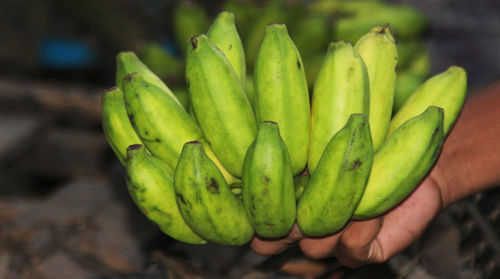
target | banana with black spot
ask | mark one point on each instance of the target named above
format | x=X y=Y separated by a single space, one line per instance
x=162 y=124
x=281 y=92
x=116 y=125
x=401 y=162
x=341 y=89
x=339 y=180
x=151 y=186
x=268 y=190
x=205 y=200
x=219 y=102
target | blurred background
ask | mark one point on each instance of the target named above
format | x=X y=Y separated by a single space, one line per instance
x=64 y=208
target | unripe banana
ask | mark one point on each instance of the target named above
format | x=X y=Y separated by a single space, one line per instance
x=300 y=183
x=378 y=50
x=341 y=89
x=116 y=125
x=339 y=180
x=401 y=162
x=446 y=90
x=205 y=200
x=223 y=35
x=281 y=93
x=219 y=103
x=162 y=124
x=268 y=190
x=406 y=84
x=150 y=183
x=128 y=63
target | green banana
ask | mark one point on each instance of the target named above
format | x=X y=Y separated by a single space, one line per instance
x=281 y=93
x=268 y=190
x=341 y=89
x=378 y=51
x=151 y=185
x=223 y=35
x=339 y=180
x=219 y=103
x=311 y=34
x=161 y=123
x=189 y=20
x=128 y=63
x=446 y=90
x=401 y=162
x=115 y=123
x=300 y=183
x=205 y=200
x=405 y=20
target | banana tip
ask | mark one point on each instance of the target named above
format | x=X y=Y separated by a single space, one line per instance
x=193 y=142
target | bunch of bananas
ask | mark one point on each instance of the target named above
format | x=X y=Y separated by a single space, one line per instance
x=235 y=164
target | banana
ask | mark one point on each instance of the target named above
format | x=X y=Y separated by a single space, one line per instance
x=268 y=190
x=405 y=20
x=205 y=200
x=281 y=93
x=341 y=89
x=223 y=35
x=311 y=34
x=378 y=50
x=161 y=123
x=401 y=162
x=250 y=90
x=339 y=180
x=116 y=125
x=150 y=183
x=219 y=102
x=300 y=183
x=127 y=63
x=446 y=90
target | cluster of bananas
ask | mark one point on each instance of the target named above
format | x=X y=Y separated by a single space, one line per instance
x=233 y=165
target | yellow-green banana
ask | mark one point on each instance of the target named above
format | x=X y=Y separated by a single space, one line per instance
x=401 y=162
x=182 y=95
x=116 y=125
x=341 y=89
x=151 y=185
x=281 y=93
x=205 y=200
x=128 y=63
x=161 y=123
x=378 y=50
x=406 y=83
x=446 y=90
x=268 y=190
x=219 y=103
x=405 y=20
x=339 y=180
x=223 y=35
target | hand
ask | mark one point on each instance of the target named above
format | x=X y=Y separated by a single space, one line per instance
x=373 y=240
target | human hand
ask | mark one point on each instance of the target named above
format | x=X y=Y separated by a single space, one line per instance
x=373 y=240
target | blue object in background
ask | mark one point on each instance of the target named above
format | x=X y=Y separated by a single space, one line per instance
x=170 y=47
x=65 y=54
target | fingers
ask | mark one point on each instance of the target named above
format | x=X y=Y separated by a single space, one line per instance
x=268 y=247
x=318 y=248
x=357 y=244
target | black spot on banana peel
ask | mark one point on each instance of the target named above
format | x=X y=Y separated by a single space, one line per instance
x=336 y=186
x=213 y=186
